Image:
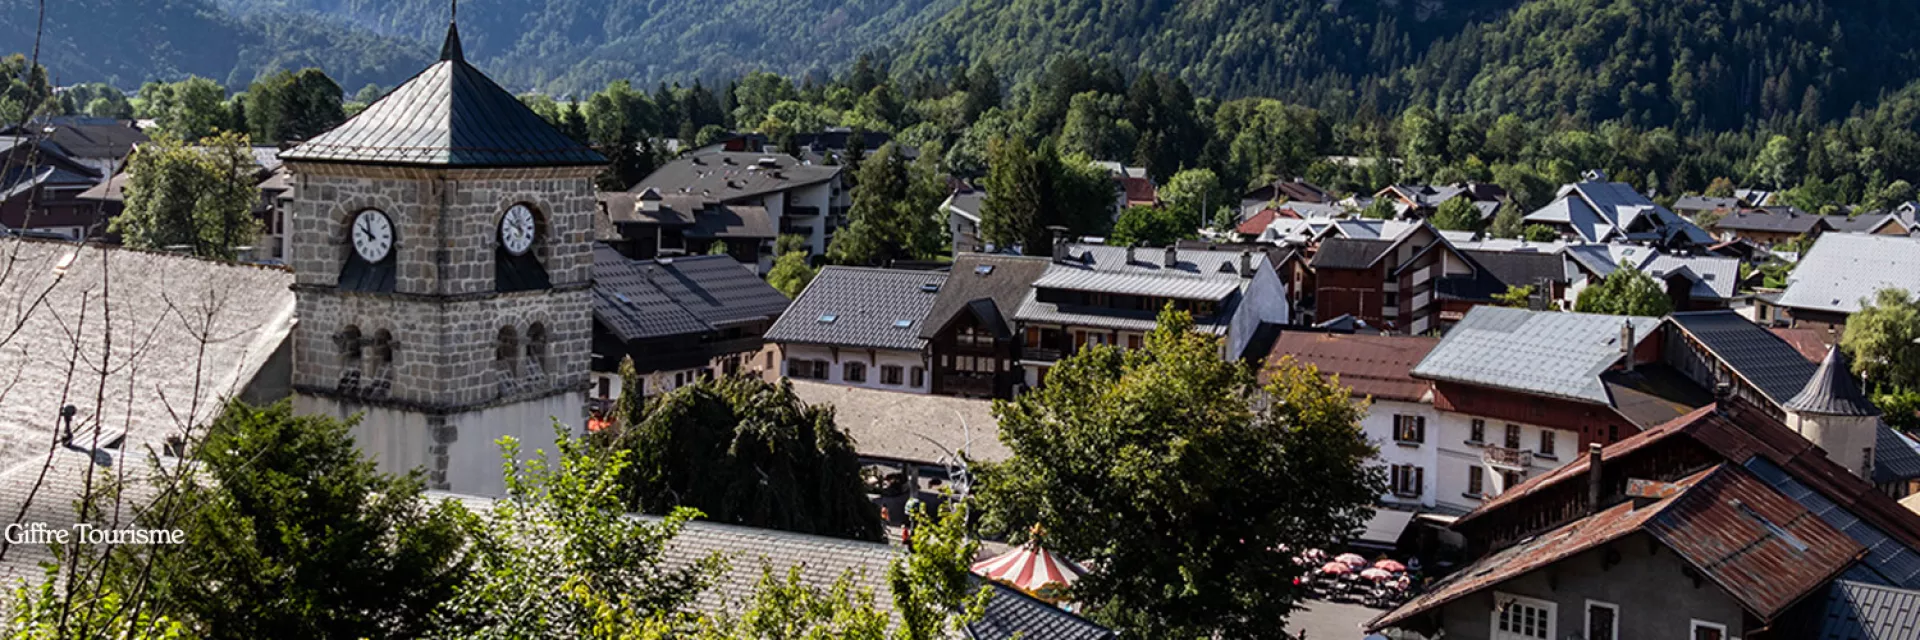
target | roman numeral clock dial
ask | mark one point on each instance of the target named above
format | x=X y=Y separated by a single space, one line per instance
x=517 y=230
x=372 y=236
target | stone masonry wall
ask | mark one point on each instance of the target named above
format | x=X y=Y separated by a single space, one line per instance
x=435 y=342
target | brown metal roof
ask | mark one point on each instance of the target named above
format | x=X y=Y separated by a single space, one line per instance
x=1739 y=432
x=1761 y=548
x=1377 y=366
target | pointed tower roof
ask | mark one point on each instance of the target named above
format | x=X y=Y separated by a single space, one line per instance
x=450 y=115
x=1832 y=391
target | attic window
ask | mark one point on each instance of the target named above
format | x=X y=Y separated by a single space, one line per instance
x=983 y=269
x=930 y=287
x=902 y=324
x=1707 y=276
x=828 y=318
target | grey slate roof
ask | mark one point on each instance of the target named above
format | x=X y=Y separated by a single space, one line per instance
x=1540 y=352
x=999 y=281
x=1715 y=277
x=450 y=115
x=1704 y=203
x=1752 y=352
x=641 y=299
x=1013 y=615
x=728 y=176
x=1198 y=274
x=1833 y=391
x=1500 y=270
x=93 y=137
x=1843 y=268
x=160 y=380
x=1772 y=219
x=861 y=307
x=1863 y=611
x=1601 y=211
x=1350 y=253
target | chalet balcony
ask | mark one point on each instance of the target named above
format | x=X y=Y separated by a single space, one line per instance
x=1037 y=354
x=1507 y=458
x=972 y=385
x=798 y=212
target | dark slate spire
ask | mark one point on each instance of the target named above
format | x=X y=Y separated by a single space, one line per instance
x=1832 y=391
x=450 y=115
x=450 y=50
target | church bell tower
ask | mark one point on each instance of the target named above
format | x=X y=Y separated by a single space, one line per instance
x=441 y=242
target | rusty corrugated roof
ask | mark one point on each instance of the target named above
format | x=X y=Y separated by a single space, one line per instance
x=1762 y=548
x=1377 y=366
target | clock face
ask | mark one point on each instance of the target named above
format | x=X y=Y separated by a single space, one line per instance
x=372 y=235
x=516 y=229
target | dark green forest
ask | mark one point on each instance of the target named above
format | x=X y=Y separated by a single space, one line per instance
x=1714 y=64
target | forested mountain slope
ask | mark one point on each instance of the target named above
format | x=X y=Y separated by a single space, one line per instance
x=127 y=42
x=1714 y=64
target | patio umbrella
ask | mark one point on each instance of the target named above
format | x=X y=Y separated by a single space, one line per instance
x=1032 y=569
x=1377 y=575
x=1351 y=559
x=1390 y=565
x=1336 y=568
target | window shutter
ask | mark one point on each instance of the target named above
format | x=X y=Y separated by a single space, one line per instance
x=1420 y=426
x=1419 y=481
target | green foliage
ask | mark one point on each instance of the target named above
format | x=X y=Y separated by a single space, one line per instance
x=558 y=554
x=895 y=212
x=294 y=534
x=1721 y=187
x=1883 y=339
x=1157 y=466
x=38 y=614
x=1625 y=292
x=1030 y=189
x=24 y=90
x=1516 y=296
x=788 y=608
x=1778 y=164
x=200 y=198
x=1900 y=409
x=1508 y=223
x=288 y=106
x=1457 y=214
x=746 y=451
x=1096 y=127
x=96 y=99
x=1382 y=208
x=791 y=273
x=1539 y=233
x=1148 y=226
x=190 y=109
x=1193 y=196
x=932 y=584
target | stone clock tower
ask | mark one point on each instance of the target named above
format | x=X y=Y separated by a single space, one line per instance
x=441 y=245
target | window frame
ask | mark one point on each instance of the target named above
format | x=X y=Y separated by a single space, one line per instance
x=1547 y=444
x=1549 y=607
x=895 y=372
x=1513 y=439
x=1476 y=481
x=918 y=376
x=1409 y=429
x=1406 y=480
x=853 y=371
x=1695 y=625
x=1587 y=628
x=1477 y=431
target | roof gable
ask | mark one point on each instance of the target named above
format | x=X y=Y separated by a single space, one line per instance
x=1546 y=353
x=861 y=307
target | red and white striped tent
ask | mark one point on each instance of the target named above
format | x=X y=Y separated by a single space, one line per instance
x=1032 y=569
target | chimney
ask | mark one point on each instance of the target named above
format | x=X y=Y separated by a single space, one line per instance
x=1130 y=254
x=1173 y=257
x=1246 y=264
x=1594 y=480
x=1626 y=343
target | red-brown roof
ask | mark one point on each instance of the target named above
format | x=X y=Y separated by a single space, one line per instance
x=1257 y=224
x=1762 y=548
x=1738 y=433
x=1377 y=366
x=1140 y=191
x=1811 y=343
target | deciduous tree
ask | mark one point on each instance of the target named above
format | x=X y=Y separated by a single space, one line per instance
x=200 y=198
x=1177 y=479
x=1625 y=292
x=1883 y=339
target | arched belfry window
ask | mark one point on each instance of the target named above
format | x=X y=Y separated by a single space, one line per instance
x=350 y=344
x=537 y=348
x=507 y=350
x=519 y=240
x=372 y=245
x=382 y=348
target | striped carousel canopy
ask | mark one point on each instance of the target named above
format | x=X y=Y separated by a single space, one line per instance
x=1031 y=569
